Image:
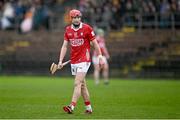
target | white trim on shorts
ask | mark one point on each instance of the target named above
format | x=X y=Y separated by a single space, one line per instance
x=80 y=67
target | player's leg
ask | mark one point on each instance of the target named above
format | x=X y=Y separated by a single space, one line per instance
x=77 y=86
x=105 y=72
x=84 y=91
x=79 y=70
x=96 y=73
x=76 y=93
x=85 y=95
x=96 y=69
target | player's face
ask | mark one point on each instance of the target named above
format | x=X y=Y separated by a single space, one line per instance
x=76 y=20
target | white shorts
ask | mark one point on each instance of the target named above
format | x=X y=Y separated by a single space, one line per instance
x=80 y=67
x=95 y=60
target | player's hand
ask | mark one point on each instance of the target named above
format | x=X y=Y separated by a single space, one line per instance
x=60 y=65
x=101 y=61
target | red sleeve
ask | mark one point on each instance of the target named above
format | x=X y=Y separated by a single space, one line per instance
x=91 y=33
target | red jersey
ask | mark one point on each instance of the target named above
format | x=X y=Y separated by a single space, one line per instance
x=79 y=40
x=102 y=45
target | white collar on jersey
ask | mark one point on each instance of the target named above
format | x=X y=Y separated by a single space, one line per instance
x=80 y=26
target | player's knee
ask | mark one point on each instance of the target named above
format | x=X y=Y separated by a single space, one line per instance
x=106 y=67
x=83 y=86
x=96 y=68
x=78 y=83
x=96 y=71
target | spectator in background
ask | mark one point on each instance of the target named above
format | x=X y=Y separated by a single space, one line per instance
x=27 y=23
x=178 y=6
x=97 y=16
x=67 y=18
x=106 y=17
x=41 y=15
x=173 y=6
x=21 y=9
x=177 y=15
x=1 y=11
x=107 y=14
x=87 y=8
x=105 y=69
x=164 y=13
x=129 y=11
x=8 y=18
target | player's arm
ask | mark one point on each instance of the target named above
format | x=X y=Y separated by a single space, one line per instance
x=62 y=53
x=106 y=53
x=96 y=46
x=98 y=50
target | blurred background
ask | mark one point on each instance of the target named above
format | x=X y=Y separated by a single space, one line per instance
x=142 y=36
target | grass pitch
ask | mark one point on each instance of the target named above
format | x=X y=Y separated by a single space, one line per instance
x=43 y=97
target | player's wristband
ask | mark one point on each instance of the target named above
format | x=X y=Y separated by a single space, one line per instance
x=60 y=62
